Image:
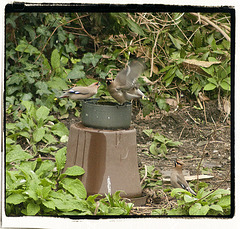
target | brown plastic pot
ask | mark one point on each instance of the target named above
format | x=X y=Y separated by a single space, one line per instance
x=109 y=158
x=106 y=115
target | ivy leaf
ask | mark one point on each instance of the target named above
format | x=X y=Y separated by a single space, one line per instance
x=55 y=59
x=76 y=73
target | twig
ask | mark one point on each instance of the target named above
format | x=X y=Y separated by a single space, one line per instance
x=198 y=168
x=212 y=24
x=145 y=176
x=96 y=209
x=155 y=43
x=181 y=133
x=192 y=118
x=204 y=111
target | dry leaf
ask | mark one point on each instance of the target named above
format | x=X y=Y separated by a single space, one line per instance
x=171 y=102
x=200 y=63
x=226 y=105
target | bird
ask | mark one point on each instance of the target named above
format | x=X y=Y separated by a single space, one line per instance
x=123 y=88
x=80 y=92
x=177 y=178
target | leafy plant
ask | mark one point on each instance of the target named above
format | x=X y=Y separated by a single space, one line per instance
x=205 y=203
x=35 y=125
x=39 y=188
x=212 y=203
x=151 y=176
x=160 y=143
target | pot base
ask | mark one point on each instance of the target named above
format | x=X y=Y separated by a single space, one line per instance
x=109 y=158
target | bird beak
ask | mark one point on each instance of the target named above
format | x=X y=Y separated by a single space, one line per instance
x=97 y=84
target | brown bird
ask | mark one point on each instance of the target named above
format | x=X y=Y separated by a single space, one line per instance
x=177 y=178
x=123 y=88
x=80 y=92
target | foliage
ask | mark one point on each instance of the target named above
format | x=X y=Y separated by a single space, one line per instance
x=48 y=53
x=205 y=203
x=39 y=188
x=153 y=178
x=160 y=143
x=212 y=203
x=33 y=128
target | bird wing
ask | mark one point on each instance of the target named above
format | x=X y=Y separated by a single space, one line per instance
x=181 y=181
x=79 y=90
x=128 y=76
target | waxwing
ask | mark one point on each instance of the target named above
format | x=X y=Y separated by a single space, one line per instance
x=177 y=178
x=123 y=88
x=80 y=92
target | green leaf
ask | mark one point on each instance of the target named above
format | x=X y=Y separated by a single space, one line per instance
x=28 y=105
x=213 y=44
x=75 y=187
x=42 y=88
x=189 y=199
x=153 y=149
x=32 y=208
x=27 y=48
x=76 y=73
x=15 y=198
x=49 y=204
x=60 y=129
x=225 y=86
x=74 y=171
x=17 y=155
x=216 y=207
x=209 y=87
x=172 y=144
x=225 y=201
x=135 y=27
x=209 y=70
x=55 y=59
x=213 y=81
x=176 y=191
x=64 y=139
x=159 y=138
x=148 y=132
x=38 y=134
x=61 y=158
x=42 y=113
x=198 y=209
x=162 y=104
x=221 y=192
x=197 y=39
x=175 y=41
x=57 y=83
x=45 y=168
